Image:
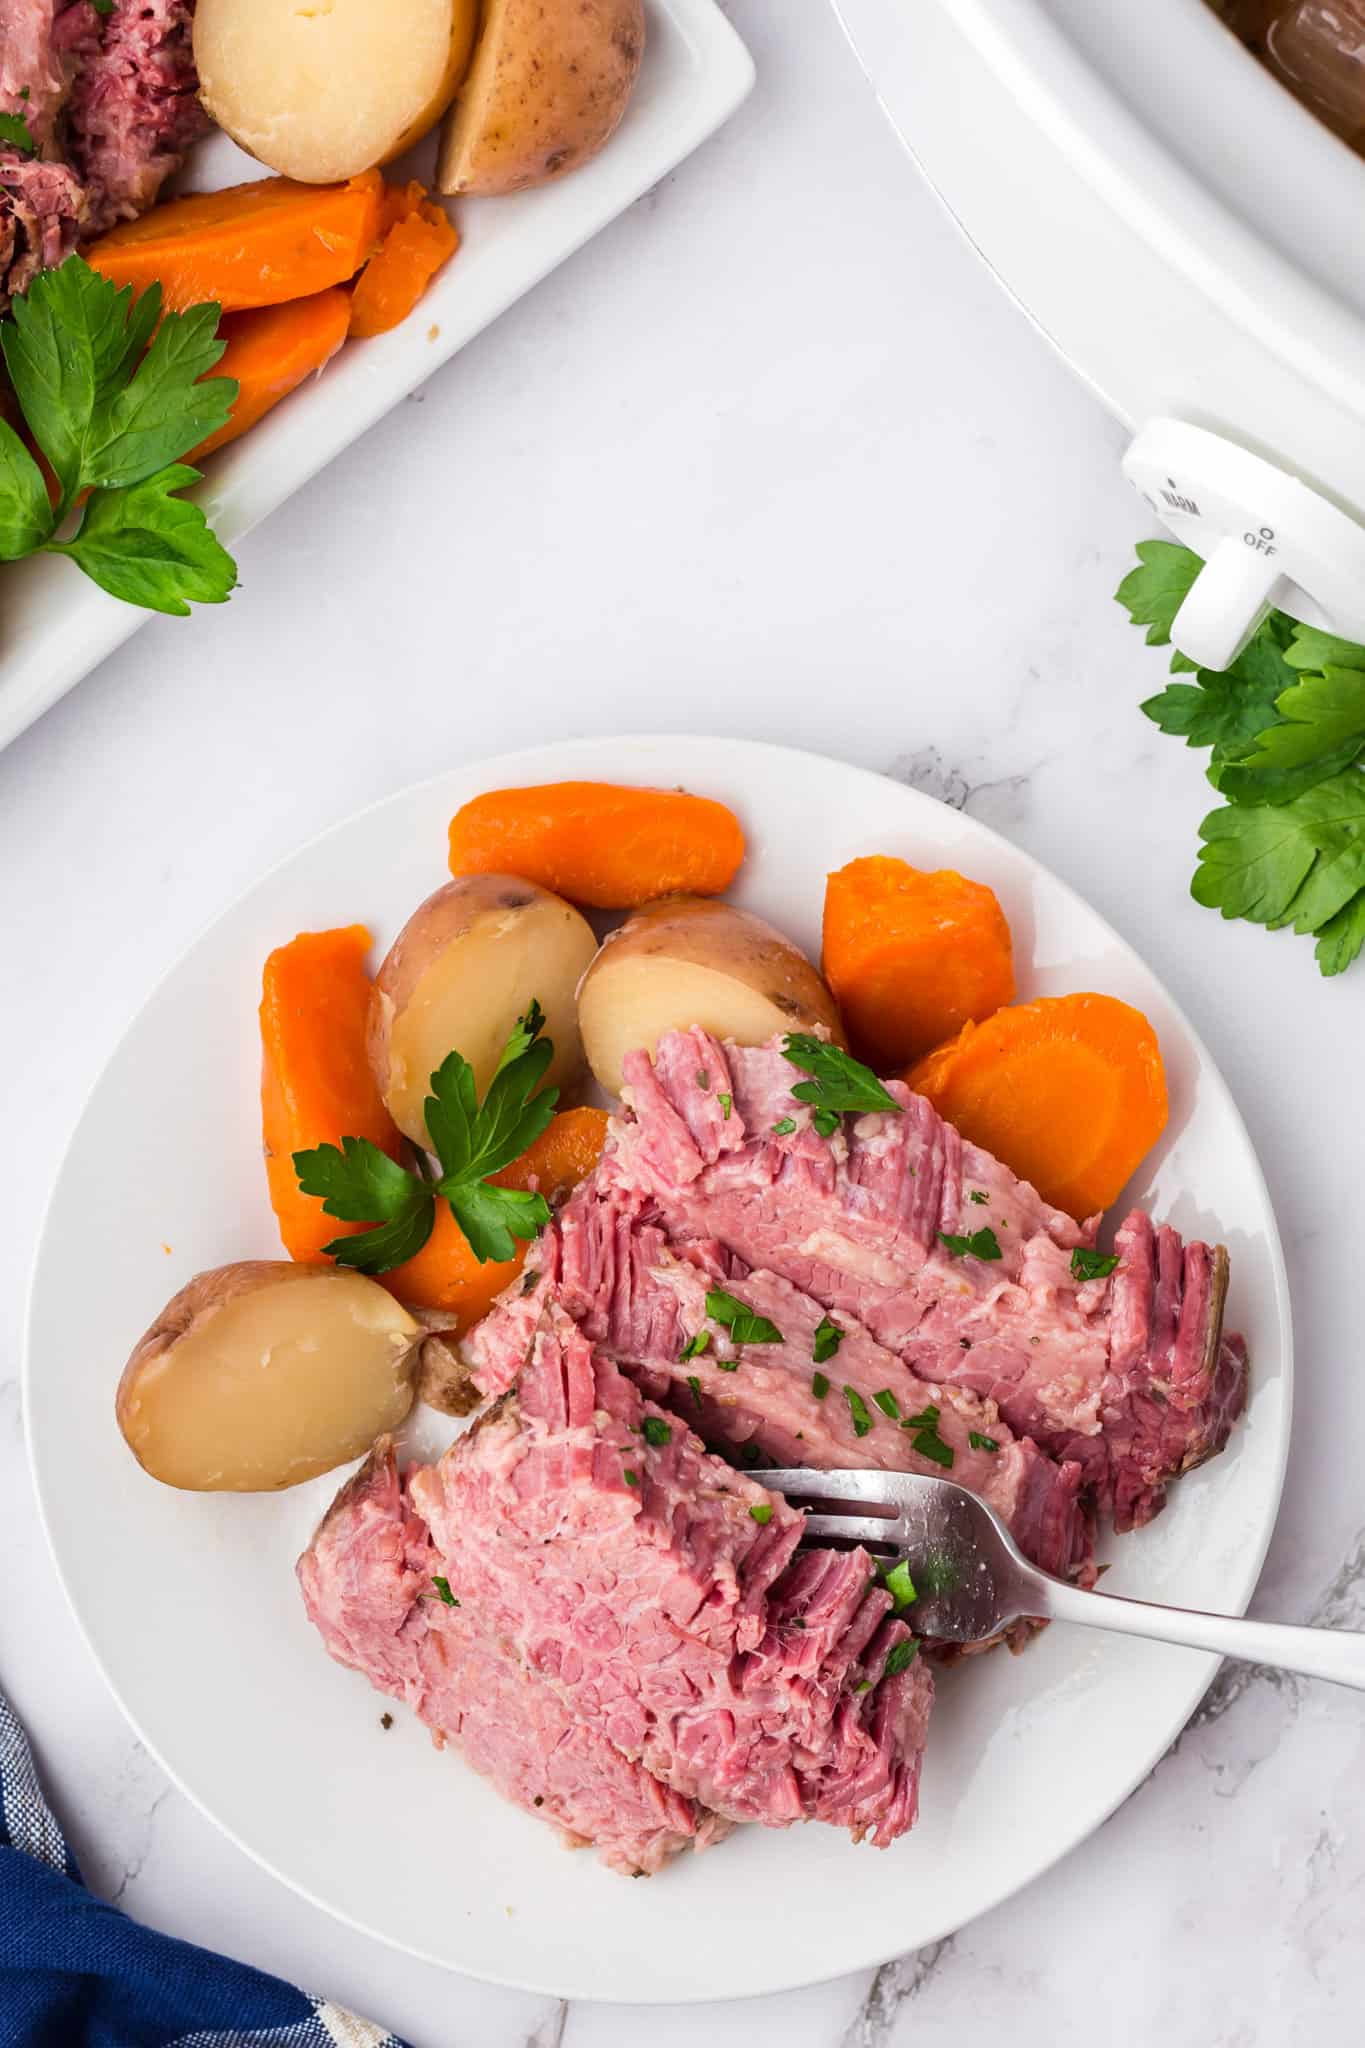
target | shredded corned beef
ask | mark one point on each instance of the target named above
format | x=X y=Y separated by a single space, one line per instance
x=110 y=102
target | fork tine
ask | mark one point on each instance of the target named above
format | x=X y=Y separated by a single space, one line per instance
x=801 y=1482
x=852 y=1529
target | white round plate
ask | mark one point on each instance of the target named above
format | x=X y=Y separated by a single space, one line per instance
x=189 y=1602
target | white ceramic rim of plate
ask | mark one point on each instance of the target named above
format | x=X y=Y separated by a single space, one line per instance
x=503 y=769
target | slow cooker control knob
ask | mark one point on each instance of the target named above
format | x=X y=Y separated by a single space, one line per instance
x=1266 y=539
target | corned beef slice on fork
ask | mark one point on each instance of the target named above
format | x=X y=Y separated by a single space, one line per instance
x=617 y=1579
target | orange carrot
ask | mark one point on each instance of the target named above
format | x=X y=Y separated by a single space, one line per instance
x=250 y=245
x=1068 y=1091
x=912 y=956
x=316 y=1084
x=418 y=237
x=271 y=350
x=610 y=847
x=446 y=1275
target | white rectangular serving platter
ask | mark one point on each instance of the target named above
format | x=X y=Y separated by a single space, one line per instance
x=55 y=625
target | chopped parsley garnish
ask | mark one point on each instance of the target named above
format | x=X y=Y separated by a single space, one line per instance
x=864 y=1685
x=900 y=1585
x=15 y=132
x=828 y=1338
x=926 y=1439
x=857 y=1408
x=1088 y=1265
x=695 y=1385
x=744 y=1326
x=819 y=1385
x=839 y=1084
x=447 y=1598
x=930 y=1445
x=980 y=1195
x=631 y=1478
x=979 y=1442
x=656 y=1431
x=727 y=1365
x=888 y=1403
x=472 y=1139
x=901 y=1657
x=982 y=1244
x=694 y=1346
x=761 y=1513
x=938 y=1574
x=727 y=1103
x=751 y=1454
x=784 y=1127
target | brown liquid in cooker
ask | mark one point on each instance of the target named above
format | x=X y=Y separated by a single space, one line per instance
x=1316 y=48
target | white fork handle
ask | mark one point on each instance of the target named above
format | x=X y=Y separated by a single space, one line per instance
x=1336 y=1654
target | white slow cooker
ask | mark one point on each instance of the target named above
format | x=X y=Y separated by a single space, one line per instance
x=1192 y=241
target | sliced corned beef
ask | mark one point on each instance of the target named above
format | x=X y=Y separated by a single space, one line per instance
x=1129 y=1375
x=656 y=1590
x=608 y=1262
x=367 y=1585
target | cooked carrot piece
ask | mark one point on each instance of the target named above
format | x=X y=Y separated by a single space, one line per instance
x=418 y=237
x=270 y=351
x=599 y=843
x=249 y=245
x=316 y=1084
x=912 y=956
x=445 y=1274
x=1068 y=1091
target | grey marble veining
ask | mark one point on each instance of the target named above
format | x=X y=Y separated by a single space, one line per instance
x=770 y=457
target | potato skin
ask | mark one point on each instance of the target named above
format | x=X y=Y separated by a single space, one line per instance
x=547 y=87
x=447 y=916
x=284 y=83
x=726 y=942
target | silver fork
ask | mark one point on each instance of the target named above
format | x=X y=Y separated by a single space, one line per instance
x=971 y=1579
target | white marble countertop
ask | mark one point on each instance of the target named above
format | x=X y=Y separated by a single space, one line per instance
x=772 y=456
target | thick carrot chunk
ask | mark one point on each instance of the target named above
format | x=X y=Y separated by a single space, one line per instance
x=249 y=245
x=912 y=956
x=599 y=843
x=418 y=237
x=272 y=350
x=316 y=1084
x=1068 y=1091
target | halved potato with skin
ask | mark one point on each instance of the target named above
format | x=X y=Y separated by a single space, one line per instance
x=326 y=91
x=549 y=83
x=466 y=965
x=259 y=1375
x=692 y=961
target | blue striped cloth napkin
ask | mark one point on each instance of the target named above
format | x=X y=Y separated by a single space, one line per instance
x=77 y=1973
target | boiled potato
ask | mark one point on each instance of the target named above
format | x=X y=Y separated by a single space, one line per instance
x=691 y=960
x=324 y=92
x=464 y=967
x=259 y=1375
x=548 y=84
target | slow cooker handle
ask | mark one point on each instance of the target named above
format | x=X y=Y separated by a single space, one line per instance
x=1266 y=538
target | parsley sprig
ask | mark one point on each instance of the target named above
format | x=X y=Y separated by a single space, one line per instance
x=360 y=1184
x=113 y=395
x=839 y=1084
x=1285 y=726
